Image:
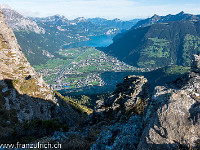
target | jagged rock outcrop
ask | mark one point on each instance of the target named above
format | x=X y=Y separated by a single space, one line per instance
x=113 y=125
x=127 y=98
x=173 y=117
x=23 y=93
x=123 y=111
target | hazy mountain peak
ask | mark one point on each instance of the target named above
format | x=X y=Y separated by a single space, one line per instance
x=80 y=19
x=57 y=16
x=155 y=16
x=181 y=13
x=5 y=6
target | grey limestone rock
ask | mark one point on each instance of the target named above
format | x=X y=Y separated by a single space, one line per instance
x=173 y=120
x=126 y=96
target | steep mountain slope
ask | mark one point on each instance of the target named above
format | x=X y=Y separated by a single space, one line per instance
x=32 y=38
x=158 y=45
x=160 y=19
x=23 y=93
x=15 y=66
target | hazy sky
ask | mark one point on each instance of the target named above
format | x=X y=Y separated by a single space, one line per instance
x=123 y=9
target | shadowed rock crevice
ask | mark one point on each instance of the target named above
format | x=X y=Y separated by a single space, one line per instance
x=16 y=109
x=195 y=113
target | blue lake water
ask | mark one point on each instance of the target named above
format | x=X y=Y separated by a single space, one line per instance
x=95 y=41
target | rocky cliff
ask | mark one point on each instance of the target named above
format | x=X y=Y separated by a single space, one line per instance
x=173 y=117
x=120 y=115
x=23 y=93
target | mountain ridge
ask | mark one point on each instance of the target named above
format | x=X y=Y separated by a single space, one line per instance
x=158 y=45
x=18 y=22
x=158 y=19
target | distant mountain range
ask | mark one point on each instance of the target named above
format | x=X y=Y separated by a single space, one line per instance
x=90 y=26
x=40 y=38
x=158 y=19
x=117 y=23
x=18 y=22
x=159 y=41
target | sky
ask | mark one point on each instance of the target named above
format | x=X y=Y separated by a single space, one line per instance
x=109 y=9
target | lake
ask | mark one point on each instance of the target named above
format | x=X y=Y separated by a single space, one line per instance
x=95 y=41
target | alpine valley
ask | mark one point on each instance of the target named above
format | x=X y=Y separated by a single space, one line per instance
x=47 y=35
x=108 y=84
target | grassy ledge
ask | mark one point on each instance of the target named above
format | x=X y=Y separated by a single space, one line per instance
x=77 y=107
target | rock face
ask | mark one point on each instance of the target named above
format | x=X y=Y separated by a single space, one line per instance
x=121 y=135
x=196 y=64
x=123 y=113
x=173 y=117
x=23 y=93
x=14 y=66
x=126 y=97
x=18 y=22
